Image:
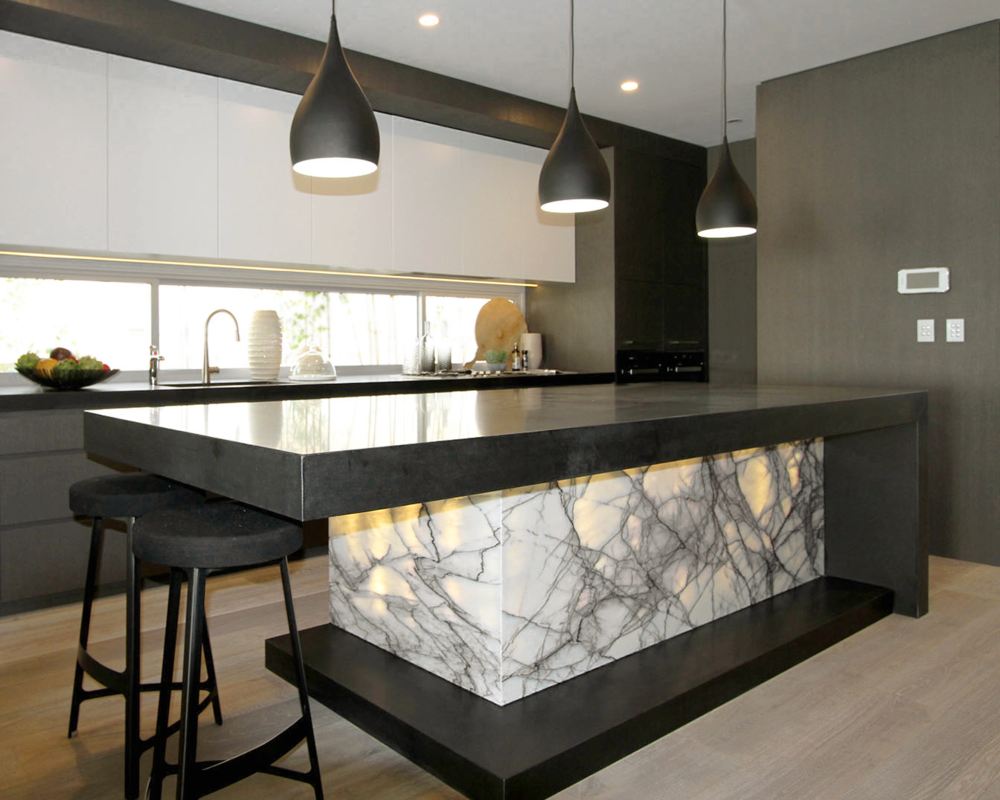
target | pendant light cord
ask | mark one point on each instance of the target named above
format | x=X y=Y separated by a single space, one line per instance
x=725 y=114
x=572 y=47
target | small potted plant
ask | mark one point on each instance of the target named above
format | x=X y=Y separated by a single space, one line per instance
x=496 y=360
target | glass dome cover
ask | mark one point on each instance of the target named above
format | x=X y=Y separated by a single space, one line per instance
x=312 y=365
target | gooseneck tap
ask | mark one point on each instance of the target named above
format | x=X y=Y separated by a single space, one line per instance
x=206 y=370
x=154 y=365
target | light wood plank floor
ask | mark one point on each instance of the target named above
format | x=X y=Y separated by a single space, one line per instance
x=905 y=709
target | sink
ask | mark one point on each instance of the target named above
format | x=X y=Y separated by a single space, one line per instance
x=180 y=385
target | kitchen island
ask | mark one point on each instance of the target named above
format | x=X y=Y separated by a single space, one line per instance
x=566 y=573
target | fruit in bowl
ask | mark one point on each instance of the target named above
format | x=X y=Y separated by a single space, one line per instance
x=62 y=370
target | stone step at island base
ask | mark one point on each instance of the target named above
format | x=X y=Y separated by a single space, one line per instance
x=537 y=746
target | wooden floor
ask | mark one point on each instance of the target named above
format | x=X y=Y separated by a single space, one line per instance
x=905 y=709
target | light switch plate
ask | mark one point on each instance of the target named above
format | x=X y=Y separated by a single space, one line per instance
x=954 y=330
x=925 y=330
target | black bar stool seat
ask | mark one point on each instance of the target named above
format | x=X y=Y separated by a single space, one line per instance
x=131 y=494
x=128 y=496
x=216 y=536
x=195 y=542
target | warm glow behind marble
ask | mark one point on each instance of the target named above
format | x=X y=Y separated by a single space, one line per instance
x=510 y=592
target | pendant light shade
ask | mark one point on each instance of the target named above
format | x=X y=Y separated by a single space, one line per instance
x=334 y=133
x=727 y=207
x=574 y=177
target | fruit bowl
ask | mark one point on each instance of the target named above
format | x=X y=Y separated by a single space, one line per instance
x=78 y=380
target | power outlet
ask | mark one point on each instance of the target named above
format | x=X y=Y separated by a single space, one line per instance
x=955 y=330
x=925 y=330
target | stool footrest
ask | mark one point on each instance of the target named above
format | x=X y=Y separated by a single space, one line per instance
x=216 y=775
x=175 y=726
x=114 y=682
x=112 y=679
x=224 y=773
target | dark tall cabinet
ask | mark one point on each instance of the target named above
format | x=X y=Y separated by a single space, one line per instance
x=660 y=264
x=641 y=270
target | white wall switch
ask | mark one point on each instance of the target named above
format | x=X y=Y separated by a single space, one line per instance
x=925 y=330
x=955 y=330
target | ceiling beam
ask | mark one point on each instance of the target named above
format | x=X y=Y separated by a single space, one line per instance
x=176 y=35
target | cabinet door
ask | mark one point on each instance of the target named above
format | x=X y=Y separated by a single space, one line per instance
x=492 y=246
x=504 y=232
x=352 y=217
x=640 y=201
x=685 y=254
x=427 y=198
x=549 y=240
x=638 y=315
x=54 y=140
x=163 y=167
x=265 y=208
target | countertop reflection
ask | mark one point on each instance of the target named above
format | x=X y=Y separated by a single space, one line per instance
x=339 y=424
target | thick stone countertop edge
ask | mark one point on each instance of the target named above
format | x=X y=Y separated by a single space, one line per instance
x=507 y=439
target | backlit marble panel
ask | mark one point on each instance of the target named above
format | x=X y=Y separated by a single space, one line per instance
x=510 y=592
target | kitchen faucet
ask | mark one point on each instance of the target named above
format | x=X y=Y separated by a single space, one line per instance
x=154 y=365
x=206 y=370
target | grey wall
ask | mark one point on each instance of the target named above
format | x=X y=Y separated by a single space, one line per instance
x=883 y=162
x=732 y=287
x=577 y=320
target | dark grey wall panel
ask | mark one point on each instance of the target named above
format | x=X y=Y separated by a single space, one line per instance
x=577 y=320
x=888 y=161
x=732 y=287
x=36 y=432
x=36 y=488
x=50 y=558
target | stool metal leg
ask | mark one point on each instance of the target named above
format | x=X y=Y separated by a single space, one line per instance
x=158 y=769
x=314 y=777
x=194 y=620
x=212 y=684
x=133 y=670
x=93 y=561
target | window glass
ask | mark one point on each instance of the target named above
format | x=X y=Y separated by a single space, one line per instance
x=352 y=328
x=453 y=321
x=107 y=320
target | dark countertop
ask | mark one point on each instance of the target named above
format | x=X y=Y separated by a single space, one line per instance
x=124 y=394
x=309 y=459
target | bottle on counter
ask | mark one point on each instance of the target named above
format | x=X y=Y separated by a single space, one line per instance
x=517 y=363
x=524 y=360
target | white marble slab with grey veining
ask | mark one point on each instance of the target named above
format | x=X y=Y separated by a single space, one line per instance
x=509 y=592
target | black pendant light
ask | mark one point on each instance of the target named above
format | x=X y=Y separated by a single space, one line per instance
x=334 y=133
x=574 y=177
x=727 y=208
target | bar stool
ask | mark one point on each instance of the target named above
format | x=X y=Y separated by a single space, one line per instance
x=130 y=496
x=194 y=543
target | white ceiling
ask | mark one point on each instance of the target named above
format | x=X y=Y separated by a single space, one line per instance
x=672 y=47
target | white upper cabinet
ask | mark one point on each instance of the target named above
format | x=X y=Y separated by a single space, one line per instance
x=265 y=208
x=352 y=217
x=548 y=240
x=53 y=134
x=505 y=234
x=491 y=244
x=163 y=166
x=427 y=198
x=110 y=153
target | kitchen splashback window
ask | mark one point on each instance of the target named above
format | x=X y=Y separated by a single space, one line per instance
x=453 y=320
x=103 y=319
x=352 y=328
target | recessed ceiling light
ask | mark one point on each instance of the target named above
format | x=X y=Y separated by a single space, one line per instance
x=630 y=86
x=429 y=20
